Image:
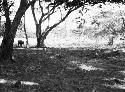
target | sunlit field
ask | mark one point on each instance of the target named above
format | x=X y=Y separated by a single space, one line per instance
x=71 y=42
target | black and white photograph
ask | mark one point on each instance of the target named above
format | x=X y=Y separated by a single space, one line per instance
x=62 y=45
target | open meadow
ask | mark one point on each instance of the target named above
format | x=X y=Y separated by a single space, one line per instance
x=71 y=42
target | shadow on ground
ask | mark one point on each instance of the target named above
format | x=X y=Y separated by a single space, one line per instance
x=63 y=70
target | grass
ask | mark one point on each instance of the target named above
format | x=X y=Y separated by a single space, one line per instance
x=54 y=72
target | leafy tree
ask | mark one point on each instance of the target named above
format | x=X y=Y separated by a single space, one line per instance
x=107 y=24
x=111 y=28
x=79 y=22
x=11 y=28
x=52 y=8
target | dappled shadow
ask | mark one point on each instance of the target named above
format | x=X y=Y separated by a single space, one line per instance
x=58 y=70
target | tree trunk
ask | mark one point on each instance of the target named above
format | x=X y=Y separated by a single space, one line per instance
x=42 y=41
x=40 y=38
x=7 y=42
x=6 y=46
x=38 y=42
x=38 y=28
x=10 y=32
x=111 y=41
x=27 y=43
x=38 y=34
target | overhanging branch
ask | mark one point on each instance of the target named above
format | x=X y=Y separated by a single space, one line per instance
x=47 y=15
x=41 y=7
x=63 y=19
x=34 y=16
x=31 y=2
x=11 y=5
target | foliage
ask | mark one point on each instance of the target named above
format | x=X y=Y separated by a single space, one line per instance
x=112 y=26
x=107 y=22
x=8 y=6
x=51 y=8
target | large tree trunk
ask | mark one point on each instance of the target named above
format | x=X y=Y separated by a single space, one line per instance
x=38 y=34
x=8 y=39
x=38 y=28
x=6 y=46
x=38 y=42
x=10 y=32
x=42 y=41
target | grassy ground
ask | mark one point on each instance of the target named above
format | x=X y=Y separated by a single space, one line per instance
x=55 y=71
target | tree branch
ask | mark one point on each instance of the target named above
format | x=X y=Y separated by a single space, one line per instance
x=41 y=7
x=63 y=19
x=47 y=14
x=34 y=16
x=32 y=2
x=6 y=10
x=60 y=12
x=11 y=5
x=50 y=12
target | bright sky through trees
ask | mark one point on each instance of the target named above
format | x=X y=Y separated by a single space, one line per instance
x=30 y=25
x=70 y=21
